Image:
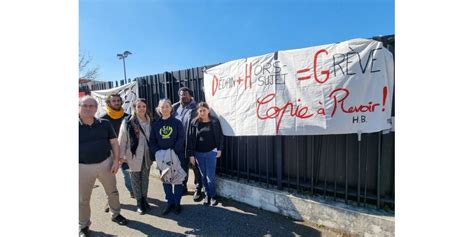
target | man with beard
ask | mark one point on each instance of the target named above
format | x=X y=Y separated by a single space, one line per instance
x=115 y=114
x=184 y=111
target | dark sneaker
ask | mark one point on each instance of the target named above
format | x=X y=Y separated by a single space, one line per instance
x=84 y=232
x=167 y=209
x=120 y=220
x=197 y=195
x=146 y=204
x=141 y=210
x=177 y=209
x=206 y=201
x=213 y=201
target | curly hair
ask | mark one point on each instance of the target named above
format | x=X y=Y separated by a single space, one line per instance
x=109 y=97
x=185 y=89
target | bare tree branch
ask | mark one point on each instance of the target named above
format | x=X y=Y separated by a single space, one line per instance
x=85 y=71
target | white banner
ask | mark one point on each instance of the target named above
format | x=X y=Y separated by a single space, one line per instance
x=128 y=92
x=330 y=89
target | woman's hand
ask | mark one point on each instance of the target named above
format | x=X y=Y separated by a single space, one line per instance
x=192 y=160
x=122 y=160
x=219 y=153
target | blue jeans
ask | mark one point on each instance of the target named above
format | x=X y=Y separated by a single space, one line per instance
x=126 y=178
x=207 y=165
x=173 y=198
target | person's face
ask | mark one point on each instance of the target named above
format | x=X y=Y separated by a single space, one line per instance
x=87 y=109
x=115 y=102
x=203 y=112
x=184 y=97
x=165 y=109
x=140 y=107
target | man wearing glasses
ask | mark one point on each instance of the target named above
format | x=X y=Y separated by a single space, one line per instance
x=97 y=139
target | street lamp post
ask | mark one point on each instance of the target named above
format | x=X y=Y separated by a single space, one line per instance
x=123 y=56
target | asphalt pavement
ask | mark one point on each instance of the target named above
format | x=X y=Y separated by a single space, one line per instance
x=228 y=218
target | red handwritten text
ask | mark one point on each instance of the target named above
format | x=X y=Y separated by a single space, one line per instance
x=278 y=112
x=324 y=72
x=340 y=95
x=215 y=84
x=248 y=75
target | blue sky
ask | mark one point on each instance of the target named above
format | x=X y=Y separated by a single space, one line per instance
x=177 y=34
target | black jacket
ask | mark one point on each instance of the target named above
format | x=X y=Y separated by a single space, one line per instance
x=193 y=127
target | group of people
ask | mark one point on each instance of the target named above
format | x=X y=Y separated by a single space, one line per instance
x=183 y=136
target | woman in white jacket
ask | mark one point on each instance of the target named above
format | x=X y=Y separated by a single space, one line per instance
x=133 y=140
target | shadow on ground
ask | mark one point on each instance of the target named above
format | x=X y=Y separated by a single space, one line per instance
x=240 y=220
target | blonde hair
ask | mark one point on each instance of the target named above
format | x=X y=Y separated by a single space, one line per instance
x=160 y=103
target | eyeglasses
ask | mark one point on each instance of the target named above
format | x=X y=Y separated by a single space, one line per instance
x=88 y=106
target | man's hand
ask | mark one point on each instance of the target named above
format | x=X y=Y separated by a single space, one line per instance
x=115 y=166
x=219 y=153
x=116 y=155
x=192 y=160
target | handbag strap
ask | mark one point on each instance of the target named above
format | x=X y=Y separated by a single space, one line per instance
x=141 y=129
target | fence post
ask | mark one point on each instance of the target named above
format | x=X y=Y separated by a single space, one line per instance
x=278 y=151
x=359 y=138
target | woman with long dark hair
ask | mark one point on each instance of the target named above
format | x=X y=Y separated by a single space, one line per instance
x=205 y=143
x=133 y=140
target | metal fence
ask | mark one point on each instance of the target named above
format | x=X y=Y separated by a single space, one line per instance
x=100 y=85
x=337 y=167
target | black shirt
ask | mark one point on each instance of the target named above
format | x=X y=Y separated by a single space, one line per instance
x=115 y=122
x=94 y=144
x=205 y=137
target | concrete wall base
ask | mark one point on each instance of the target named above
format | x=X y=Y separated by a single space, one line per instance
x=334 y=215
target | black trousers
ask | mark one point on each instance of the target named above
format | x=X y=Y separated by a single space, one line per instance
x=197 y=175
